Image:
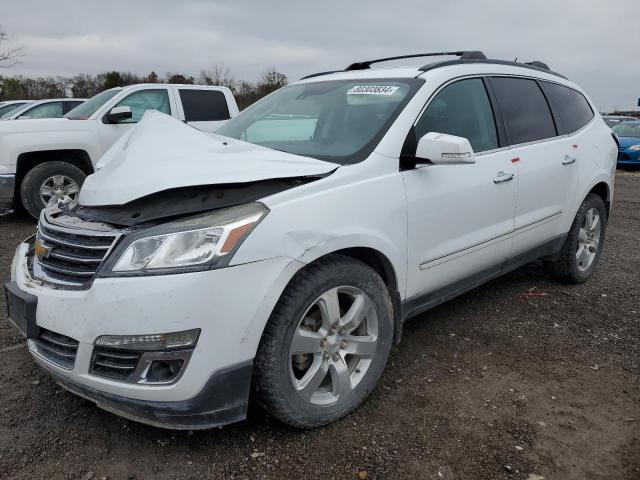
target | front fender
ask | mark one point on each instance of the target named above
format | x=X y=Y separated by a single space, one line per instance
x=56 y=137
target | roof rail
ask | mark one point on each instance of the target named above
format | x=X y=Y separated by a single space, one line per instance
x=462 y=54
x=535 y=65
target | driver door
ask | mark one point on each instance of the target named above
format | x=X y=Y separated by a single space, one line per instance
x=148 y=98
x=460 y=217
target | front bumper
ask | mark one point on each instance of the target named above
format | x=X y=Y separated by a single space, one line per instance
x=230 y=306
x=223 y=400
x=7 y=189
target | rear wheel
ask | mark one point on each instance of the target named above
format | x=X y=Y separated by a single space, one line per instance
x=50 y=182
x=326 y=343
x=583 y=246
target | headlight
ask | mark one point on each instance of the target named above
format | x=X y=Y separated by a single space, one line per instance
x=196 y=243
x=634 y=148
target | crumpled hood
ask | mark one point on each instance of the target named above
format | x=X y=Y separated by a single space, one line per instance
x=626 y=142
x=162 y=153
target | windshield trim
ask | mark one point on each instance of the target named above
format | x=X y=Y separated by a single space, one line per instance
x=360 y=155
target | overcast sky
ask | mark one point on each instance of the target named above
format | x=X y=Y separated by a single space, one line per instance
x=593 y=42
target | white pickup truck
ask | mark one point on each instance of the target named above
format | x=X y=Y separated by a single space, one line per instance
x=41 y=159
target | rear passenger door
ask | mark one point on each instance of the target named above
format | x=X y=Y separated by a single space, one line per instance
x=547 y=175
x=203 y=109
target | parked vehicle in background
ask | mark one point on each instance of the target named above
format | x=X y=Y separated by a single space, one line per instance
x=47 y=159
x=613 y=120
x=628 y=142
x=285 y=251
x=12 y=105
x=48 y=108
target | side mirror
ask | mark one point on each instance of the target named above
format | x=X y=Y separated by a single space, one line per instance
x=118 y=114
x=443 y=149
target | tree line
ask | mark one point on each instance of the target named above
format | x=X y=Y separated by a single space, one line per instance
x=19 y=87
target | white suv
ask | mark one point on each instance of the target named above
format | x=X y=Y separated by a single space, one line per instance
x=282 y=255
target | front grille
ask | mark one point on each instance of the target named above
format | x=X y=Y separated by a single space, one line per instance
x=71 y=256
x=58 y=349
x=114 y=363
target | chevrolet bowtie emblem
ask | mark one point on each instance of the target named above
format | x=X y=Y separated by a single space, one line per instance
x=41 y=250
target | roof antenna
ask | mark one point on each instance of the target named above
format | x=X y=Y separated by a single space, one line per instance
x=516 y=60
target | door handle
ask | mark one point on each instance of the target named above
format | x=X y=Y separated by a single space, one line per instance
x=503 y=177
x=568 y=160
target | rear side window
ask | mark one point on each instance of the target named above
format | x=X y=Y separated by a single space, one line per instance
x=524 y=108
x=204 y=105
x=574 y=110
x=461 y=109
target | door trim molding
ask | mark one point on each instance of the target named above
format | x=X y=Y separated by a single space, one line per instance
x=426 y=301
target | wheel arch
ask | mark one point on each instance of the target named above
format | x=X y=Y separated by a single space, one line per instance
x=603 y=191
x=27 y=160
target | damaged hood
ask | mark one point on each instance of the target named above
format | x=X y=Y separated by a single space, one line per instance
x=162 y=153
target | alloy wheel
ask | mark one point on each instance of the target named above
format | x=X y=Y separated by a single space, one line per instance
x=333 y=345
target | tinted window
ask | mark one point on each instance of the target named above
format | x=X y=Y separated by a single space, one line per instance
x=204 y=105
x=524 y=108
x=70 y=105
x=461 y=109
x=143 y=100
x=573 y=108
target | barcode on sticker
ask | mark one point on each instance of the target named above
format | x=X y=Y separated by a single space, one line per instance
x=372 y=90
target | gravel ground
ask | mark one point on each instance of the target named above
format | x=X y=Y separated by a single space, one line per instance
x=521 y=377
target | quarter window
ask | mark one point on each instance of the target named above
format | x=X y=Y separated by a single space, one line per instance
x=574 y=110
x=461 y=109
x=204 y=105
x=524 y=109
x=143 y=100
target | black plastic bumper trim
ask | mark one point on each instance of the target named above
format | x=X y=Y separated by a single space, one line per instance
x=223 y=400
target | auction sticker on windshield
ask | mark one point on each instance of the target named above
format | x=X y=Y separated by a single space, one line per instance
x=372 y=90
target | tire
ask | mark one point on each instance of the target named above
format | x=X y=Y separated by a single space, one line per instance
x=279 y=372
x=571 y=265
x=49 y=173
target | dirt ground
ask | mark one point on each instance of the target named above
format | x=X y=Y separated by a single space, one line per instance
x=519 y=378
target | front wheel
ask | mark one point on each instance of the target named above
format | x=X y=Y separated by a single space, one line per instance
x=326 y=343
x=50 y=182
x=585 y=241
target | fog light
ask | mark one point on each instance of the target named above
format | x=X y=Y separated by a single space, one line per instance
x=159 y=341
x=163 y=370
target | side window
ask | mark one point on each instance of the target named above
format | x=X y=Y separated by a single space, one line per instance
x=574 y=110
x=524 y=108
x=71 y=104
x=204 y=105
x=46 y=110
x=143 y=100
x=461 y=109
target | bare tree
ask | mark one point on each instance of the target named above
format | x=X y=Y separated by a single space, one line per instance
x=217 y=75
x=10 y=57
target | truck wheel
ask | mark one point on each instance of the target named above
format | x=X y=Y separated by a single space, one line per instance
x=50 y=181
x=326 y=343
x=583 y=247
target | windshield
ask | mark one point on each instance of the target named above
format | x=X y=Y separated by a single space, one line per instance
x=88 y=108
x=627 y=129
x=340 y=121
x=7 y=110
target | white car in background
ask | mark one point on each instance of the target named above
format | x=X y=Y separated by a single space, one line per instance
x=284 y=253
x=47 y=108
x=44 y=160
x=9 y=106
